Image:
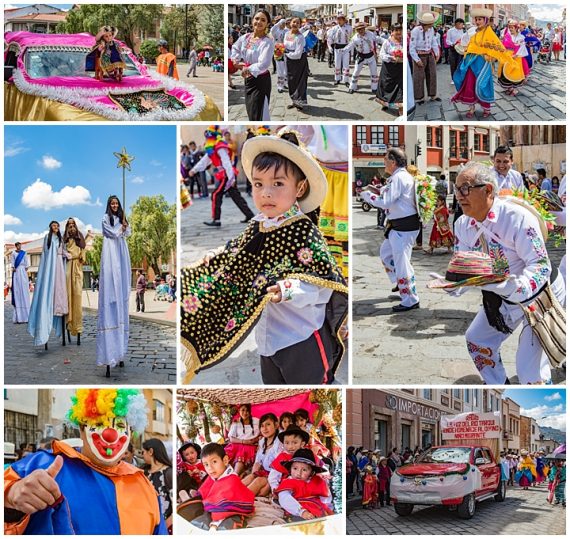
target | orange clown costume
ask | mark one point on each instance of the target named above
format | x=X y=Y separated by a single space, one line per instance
x=98 y=493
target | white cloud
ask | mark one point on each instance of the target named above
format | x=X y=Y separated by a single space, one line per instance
x=546 y=12
x=11 y=220
x=49 y=162
x=554 y=397
x=11 y=237
x=548 y=416
x=41 y=196
x=14 y=149
x=155 y=163
x=137 y=179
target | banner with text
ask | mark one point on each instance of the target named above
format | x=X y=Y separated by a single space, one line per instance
x=471 y=425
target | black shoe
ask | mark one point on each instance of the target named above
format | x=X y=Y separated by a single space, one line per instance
x=402 y=309
x=336 y=82
x=395 y=289
x=350 y=91
x=108 y=372
x=279 y=90
x=79 y=339
x=347 y=84
x=246 y=220
x=212 y=223
x=121 y=364
x=291 y=106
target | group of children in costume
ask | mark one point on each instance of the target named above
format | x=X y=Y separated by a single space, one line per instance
x=266 y=457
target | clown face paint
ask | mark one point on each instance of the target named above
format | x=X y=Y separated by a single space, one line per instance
x=108 y=444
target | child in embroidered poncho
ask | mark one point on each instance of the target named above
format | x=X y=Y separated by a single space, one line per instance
x=278 y=276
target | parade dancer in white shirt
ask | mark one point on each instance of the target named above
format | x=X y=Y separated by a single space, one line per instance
x=425 y=52
x=513 y=238
x=338 y=38
x=507 y=177
x=453 y=37
x=364 y=42
x=398 y=198
x=278 y=32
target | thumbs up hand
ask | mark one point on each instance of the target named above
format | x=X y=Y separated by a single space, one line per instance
x=36 y=491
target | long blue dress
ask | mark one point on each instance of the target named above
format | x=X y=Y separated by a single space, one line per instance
x=49 y=302
x=114 y=290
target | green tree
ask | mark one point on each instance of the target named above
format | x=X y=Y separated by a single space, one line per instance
x=130 y=19
x=211 y=26
x=153 y=226
x=93 y=256
x=179 y=27
x=149 y=49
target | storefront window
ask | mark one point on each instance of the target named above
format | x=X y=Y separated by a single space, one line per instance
x=381 y=437
x=406 y=431
x=427 y=438
x=360 y=134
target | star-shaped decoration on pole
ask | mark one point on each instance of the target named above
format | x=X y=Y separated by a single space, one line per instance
x=124 y=158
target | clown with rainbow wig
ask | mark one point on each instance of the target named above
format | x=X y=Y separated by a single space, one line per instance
x=91 y=491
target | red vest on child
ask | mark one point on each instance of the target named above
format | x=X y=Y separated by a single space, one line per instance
x=276 y=464
x=308 y=494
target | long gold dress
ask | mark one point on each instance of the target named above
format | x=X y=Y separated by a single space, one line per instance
x=74 y=282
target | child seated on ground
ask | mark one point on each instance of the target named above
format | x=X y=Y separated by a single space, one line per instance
x=268 y=448
x=226 y=500
x=304 y=495
x=293 y=439
x=277 y=276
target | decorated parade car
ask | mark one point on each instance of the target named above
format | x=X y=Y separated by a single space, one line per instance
x=453 y=475
x=46 y=77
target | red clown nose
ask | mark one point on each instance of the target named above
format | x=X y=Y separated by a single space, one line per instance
x=110 y=435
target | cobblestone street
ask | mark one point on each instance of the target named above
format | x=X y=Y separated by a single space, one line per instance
x=326 y=101
x=427 y=344
x=522 y=513
x=196 y=239
x=542 y=98
x=151 y=358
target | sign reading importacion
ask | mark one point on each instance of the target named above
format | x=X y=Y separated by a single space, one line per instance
x=471 y=425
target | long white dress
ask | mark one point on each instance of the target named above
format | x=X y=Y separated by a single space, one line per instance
x=114 y=290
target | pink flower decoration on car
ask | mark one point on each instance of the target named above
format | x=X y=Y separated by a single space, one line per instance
x=191 y=304
x=230 y=325
x=305 y=256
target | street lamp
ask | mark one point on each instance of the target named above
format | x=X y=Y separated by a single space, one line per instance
x=124 y=162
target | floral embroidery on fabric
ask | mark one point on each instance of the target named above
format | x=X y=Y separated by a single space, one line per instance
x=191 y=304
x=481 y=362
x=260 y=281
x=491 y=215
x=500 y=261
x=475 y=348
x=407 y=285
x=230 y=325
x=537 y=244
x=287 y=290
x=305 y=256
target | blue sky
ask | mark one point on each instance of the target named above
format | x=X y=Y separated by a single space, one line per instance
x=547 y=406
x=56 y=172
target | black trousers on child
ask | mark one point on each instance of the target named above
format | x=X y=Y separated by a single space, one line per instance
x=306 y=362
x=234 y=194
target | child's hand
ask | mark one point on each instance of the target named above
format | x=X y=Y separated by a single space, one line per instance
x=255 y=467
x=206 y=260
x=305 y=515
x=276 y=291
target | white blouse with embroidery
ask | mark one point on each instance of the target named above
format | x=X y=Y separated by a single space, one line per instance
x=256 y=53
